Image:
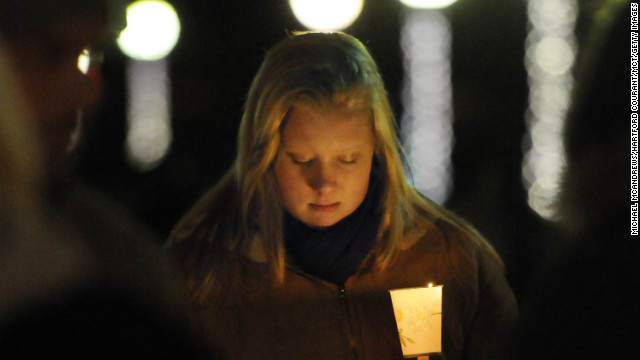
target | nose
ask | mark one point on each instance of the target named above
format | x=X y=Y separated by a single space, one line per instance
x=322 y=177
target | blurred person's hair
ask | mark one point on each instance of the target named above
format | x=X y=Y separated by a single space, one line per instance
x=20 y=17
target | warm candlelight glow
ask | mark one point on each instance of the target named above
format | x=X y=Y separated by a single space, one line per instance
x=418 y=314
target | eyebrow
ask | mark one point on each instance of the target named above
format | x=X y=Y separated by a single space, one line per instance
x=350 y=153
x=353 y=146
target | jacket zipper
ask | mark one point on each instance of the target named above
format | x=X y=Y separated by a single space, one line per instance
x=342 y=295
x=343 y=301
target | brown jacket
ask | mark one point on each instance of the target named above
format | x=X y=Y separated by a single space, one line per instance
x=308 y=318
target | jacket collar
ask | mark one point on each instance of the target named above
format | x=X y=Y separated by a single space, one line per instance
x=257 y=254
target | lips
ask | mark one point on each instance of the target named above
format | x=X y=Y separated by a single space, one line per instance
x=324 y=207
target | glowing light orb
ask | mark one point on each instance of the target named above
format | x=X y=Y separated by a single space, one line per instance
x=428 y=4
x=152 y=31
x=326 y=15
x=554 y=55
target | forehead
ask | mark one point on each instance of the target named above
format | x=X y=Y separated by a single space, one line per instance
x=81 y=28
x=75 y=32
x=46 y=47
x=21 y=17
x=70 y=33
x=317 y=125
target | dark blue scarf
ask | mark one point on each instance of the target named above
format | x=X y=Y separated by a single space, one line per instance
x=335 y=253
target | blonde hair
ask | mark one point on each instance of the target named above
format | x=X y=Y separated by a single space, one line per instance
x=332 y=69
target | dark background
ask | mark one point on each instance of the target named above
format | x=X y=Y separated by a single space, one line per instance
x=221 y=46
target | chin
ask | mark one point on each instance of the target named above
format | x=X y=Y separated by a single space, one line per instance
x=323 y=223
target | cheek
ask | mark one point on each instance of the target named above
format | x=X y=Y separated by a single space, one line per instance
x=360 y=185
x=289 y=181
x=52 y=95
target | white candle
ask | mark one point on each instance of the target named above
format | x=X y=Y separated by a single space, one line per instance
x=418 y=313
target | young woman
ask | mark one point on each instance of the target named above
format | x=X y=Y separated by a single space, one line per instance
x=292 y=254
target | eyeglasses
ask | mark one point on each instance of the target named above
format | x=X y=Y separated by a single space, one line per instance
x=88 y=58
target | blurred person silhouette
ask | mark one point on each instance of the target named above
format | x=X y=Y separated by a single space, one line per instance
x=586 y=306
x=78 y=276
x=293 y=253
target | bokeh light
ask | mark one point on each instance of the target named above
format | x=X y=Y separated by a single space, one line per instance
x=152 y=31
x=427 y=133
x=149 y=133
x=428 y=4
x=550 y=55
x=326 y=15
x=554 y=55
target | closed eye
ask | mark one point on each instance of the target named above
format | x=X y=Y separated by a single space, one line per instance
x=307 y=162
x=300 y=161
x=349 y=159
